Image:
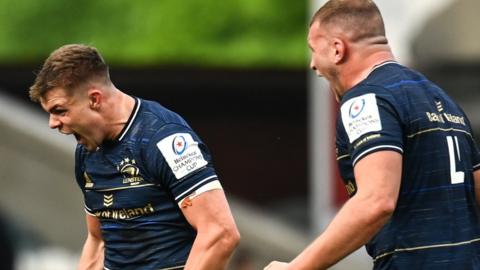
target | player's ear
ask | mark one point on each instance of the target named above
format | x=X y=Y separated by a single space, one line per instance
x=339 y=50
x=94 y=99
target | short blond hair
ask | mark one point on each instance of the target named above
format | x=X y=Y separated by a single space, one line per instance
x=69 y=67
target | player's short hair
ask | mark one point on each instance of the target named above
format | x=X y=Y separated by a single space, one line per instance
x=359 y=19
x=68 y=67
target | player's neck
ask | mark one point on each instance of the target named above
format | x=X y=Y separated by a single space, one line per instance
x=120 y=107
x=361 y=66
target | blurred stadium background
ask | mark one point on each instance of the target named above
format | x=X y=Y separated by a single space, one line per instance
x=238 y=72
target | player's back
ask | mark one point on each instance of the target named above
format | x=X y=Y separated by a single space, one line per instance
x=435 y=223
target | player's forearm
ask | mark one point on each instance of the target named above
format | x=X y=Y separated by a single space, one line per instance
x=212 y=250
x=357 y=222
x=92 y=254
x=476 y=177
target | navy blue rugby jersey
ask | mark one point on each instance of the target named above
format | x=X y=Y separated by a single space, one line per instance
x=435 y=224
x=134 y=184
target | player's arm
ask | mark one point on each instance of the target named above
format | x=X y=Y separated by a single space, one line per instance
x=476 y=177
x=93 y=250
x=217 y=234
x=378 y=178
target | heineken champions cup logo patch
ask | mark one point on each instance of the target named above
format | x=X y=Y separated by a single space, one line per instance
x=182 y=154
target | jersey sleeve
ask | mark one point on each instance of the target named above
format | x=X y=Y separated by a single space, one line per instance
x=343 y=159
x=475 y=154
x=81 y=176
x=476 y=157
x=370 y=122
x=78 y=170
x=180 y=162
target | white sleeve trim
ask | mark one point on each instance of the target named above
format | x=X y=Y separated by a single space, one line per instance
x=475 y=167
x=191 y=189
x=207 y=187
x=373 y=149
x=87 y=211
x=210 y=186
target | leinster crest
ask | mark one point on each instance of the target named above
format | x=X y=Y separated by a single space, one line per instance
x=130 y=172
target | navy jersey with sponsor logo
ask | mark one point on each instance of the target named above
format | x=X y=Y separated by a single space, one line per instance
x=435 y=224
x=135 y=183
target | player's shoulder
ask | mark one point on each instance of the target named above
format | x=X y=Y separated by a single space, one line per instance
x=381 y=86
x=154 y=118
x=153 y=109
x=363 y=89
x=157 y=123
x=80 y=152
x=390 y=75
x=365 y=95
x=157 y=114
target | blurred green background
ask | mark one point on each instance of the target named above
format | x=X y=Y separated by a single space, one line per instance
x=235 y=70
x=203 y=33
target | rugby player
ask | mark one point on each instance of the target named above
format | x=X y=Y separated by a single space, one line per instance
x=152 y=197
x=405 y=150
